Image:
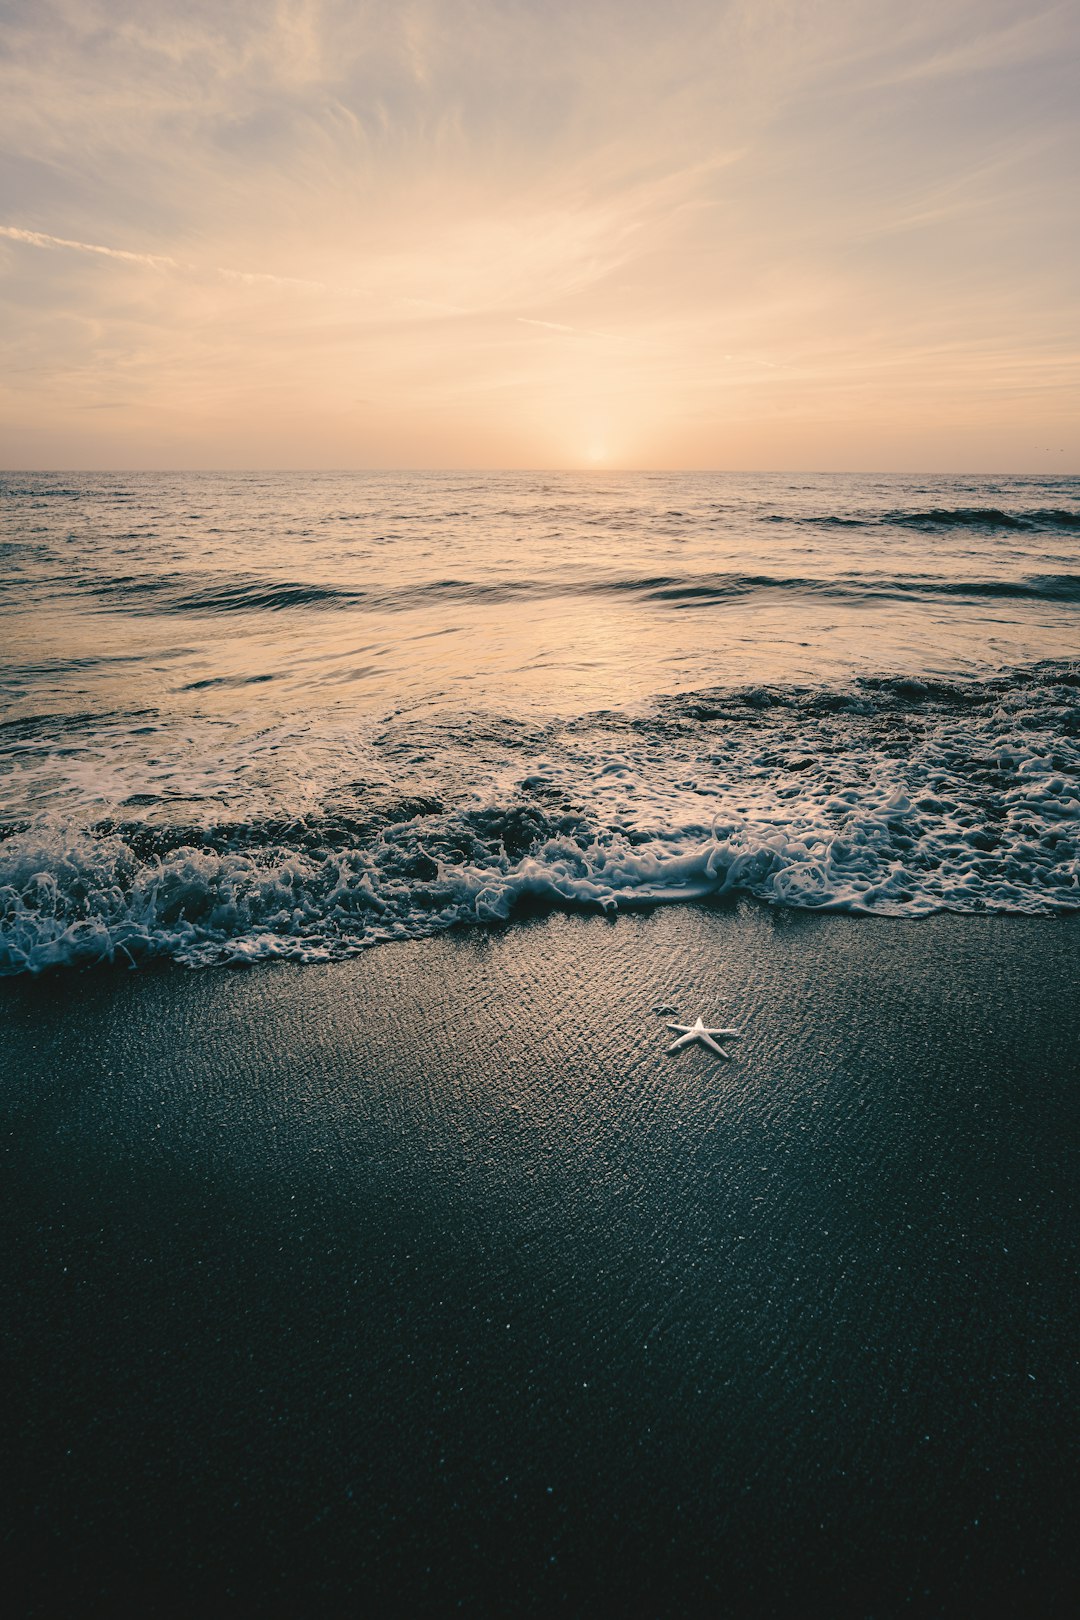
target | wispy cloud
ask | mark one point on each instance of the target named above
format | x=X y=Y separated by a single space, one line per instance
x=1027 y=37
x=551 y=326
x=156 y=261
x=577 y=331
x=42 y=239
x=257 y=278
x=509 y=230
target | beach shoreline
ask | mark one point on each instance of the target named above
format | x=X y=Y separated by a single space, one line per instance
x=428 y=1280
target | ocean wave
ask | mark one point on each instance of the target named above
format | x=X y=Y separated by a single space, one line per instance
x=173 y=594
x=986 y=517
x=183 y=594
x=1042 y=697
x=983 y=518
x=719 y=587
x=888 y=796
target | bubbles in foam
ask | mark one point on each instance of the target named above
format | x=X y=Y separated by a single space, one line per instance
x=885 y=797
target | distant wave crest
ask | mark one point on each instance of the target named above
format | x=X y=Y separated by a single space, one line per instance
x=986 y=517
x=179 y=594
x=983 y=518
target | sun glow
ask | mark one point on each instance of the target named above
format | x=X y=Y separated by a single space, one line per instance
x=775 y=265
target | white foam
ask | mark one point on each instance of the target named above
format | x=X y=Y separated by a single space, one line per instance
x=888 y=811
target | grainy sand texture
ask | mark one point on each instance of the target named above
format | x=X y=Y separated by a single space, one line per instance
x=427 y=1283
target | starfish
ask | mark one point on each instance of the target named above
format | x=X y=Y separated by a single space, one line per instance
x=700 y=1032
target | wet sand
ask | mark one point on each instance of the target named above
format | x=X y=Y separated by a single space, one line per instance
x=427 y=1284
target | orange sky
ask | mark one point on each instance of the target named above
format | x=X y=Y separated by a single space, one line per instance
x=827 y=234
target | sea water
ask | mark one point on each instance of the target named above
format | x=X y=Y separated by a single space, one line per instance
x=278 y=714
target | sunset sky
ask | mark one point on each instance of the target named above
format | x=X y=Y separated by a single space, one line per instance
x=329 y=233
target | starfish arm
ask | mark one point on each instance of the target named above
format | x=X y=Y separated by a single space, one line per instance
x=707 y=1040
x=725 y=1034
x=686 y=1028
x=683 y=1040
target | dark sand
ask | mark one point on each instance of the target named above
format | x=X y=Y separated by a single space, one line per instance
x=426 y=1283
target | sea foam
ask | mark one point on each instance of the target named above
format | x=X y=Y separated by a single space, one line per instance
x=884 y=797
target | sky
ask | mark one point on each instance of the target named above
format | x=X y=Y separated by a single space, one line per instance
x=815 y=234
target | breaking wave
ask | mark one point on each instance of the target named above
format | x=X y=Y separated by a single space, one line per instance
x=885 y=796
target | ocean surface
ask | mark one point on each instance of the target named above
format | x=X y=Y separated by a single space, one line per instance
x=293 y=715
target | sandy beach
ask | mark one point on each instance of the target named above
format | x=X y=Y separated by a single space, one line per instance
x=526 y=530
x=428 y=1283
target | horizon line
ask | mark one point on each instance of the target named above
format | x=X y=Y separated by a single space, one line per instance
x=582 y=471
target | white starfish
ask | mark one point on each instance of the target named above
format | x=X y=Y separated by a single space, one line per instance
x=707 y=1037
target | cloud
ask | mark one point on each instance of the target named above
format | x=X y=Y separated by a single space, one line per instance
x=1027 y=37
x=575 y=331
x=327 y=199
x=256 y=278
x=41 y=239
x=550 y=326
x=156 y=261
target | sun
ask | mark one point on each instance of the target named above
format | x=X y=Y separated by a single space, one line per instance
x=596 y=455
